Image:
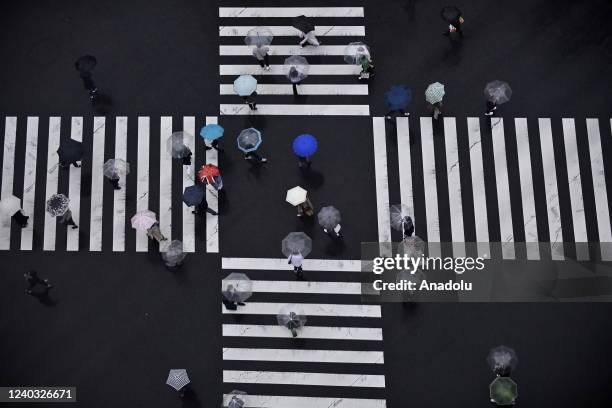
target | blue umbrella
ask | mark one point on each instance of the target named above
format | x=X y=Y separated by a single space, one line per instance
x=398 y=97
x=193 y=195
x=245 y=85
x=305 y=145
x=211 y=132
x=249 y=140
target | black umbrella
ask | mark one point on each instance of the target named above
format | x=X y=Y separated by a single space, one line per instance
x=302 y=23
x=450 y=14
x=70 y=150
x=86 y=63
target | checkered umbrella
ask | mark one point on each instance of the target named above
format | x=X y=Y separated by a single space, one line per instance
x=57 y=205
x=434 y=93
x=178 y=378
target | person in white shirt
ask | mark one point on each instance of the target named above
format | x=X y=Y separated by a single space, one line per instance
x=296 y=260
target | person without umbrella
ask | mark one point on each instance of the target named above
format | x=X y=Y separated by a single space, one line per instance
x=32 y=280
x=453 y=16
x=85 y=65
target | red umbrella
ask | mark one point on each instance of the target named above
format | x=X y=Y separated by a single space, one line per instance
x=207 y=172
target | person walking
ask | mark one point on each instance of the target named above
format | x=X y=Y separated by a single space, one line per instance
x=335 y=232
x=229 y=298
x=250 y=100
x=66 y=219
x=154 y=232
x=367 y=68
x=32 y=280
x=407 y=226
x=436 y=110
x=114 y=182
x=453 y=16
x=309 y=38
x=491 y=108
x=212 y=144
x=296 y=260
x=20 y=218
x=203 y=207
x=85 y=65
x=65 y=165
x=306 y=208
x=253 y=157
x=295 y=78
x=261 y=52
x=186 y=159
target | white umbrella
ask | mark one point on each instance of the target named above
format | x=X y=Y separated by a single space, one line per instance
x=9 y=205
x=178 y=378
x=434 y=93
x=237 y=287
x=143 y=220
x=296 y=195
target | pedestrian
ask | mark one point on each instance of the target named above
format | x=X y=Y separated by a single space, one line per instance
x=203 y=207
x=67 y=219
x=32 y=280
x=261 y=53
x=20 y=218
x=453 y=16
x=212 y=144
x=295 y=78
x=253 y=157
x=155 y=233
x=186 y=159
x=229 y=298
x=85 y=65
x=306 y=208
x=367 y=68
x=215 y=182
x=304 y=161
x=310 y=38
x=250 y=100
x=491 y=108
x=115 y=182
x=65 y=165
x=335 y=232
x=436 y=109
x=407 y=226
x=296 y=259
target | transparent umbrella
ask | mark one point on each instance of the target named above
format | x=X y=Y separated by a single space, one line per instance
x=178 y=144
x=236 y=399
x=498 y=92
x=291 y=317
x=502 y=360
x=503 y=391
x=57 y=205
x=249 y=140
x=237 y=287
x=172 y=252
x=116 y=168
x=296 y=242
x=178 y=378
x=329 y=217
x=143 y=220
x=355 y=51
x=434 y=93
x=259 y=36
x=296 y=68
x=9 y=205
x=398 y=214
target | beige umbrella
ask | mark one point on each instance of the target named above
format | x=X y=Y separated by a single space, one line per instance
x=296 y=195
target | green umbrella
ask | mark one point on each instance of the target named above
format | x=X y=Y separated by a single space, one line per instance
x=503 y=391
x=434 y=93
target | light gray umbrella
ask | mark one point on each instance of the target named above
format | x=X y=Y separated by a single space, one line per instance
x=259 y=36
x=9 y=205
x=502 y=360
x=355 y=51
x=291 y=317
x=498 y=92
x=412 y=246
x=177 y=144
x=434 y=93
x=57 y=205
x=178 y=378
x=416 y=277
x=329 y=217
x=296 y=68
x=116 y=168
x=236 y=399
x=237 y=287
x=398 y=213
x=296 y=242
x=172 y=252
x=249 y=140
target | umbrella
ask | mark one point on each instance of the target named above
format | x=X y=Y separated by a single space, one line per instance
x=303 y=23
x=412 y=246
x=503 y=391
x=245 y=85
x=416 y=277
x=172 y=252
x=305 y=145
x=398 y=214
x=86 y=63
x=296 y=68
x=259 y=36
x=57 y=205
x=70 y=150
x=143 y=220
x=9 y=205
x=237 y=287
x=178 y=378
x=398 y=97
x=355 y=51
x=236 y=399
x=296 y=196
x=177 y=144
x=116 y=168
x=296 y=242
x=498 y=92
x=291 y=317
x=211 y=132
x=329 y=217
x=193 y=195
x=450 y=14
x=502 y=360
x=434 y=93
x=207 y=172
x=249 y=140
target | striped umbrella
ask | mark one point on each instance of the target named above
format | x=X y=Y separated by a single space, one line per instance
x=177 y=378
x=434 y=93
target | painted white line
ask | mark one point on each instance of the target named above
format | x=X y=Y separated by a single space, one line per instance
x=276 y=401
x=301 y=378
x=310 y=309
x=405 y=165
x=308 y=89
x=142 y=182
x=342 y=288
x=97 y=183
x=212 y=221
x=575 y=189
x=431 y=190
x=315 y=69
x=8 y=174
x=550 y=185
x=528 y=201
x=306 y=332
x=246 y=12
x=382 y=179
x=52 y=181
x=503 y=188
x=454 y=187
x=165 y=178
x=324 y=50
x=29 y=182
x=301 y=355
x=280 y=264
x=478 y=188
x=599 y=187
x=289 y=31
x=188 y=217
x=119 y=195
x=301 y=110
x=74 y=189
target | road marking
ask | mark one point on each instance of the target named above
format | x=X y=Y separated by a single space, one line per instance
x=246 y=12
x=532 y=242
x=309 y=309
x=165 y=178
x=405 y=165
x=431 y=190
x=29 y=182
x=301 y=110
x=382 y=179
x=289 y=31
x=301 y=378
x=119 y=195
x=97 y=184
x=478 y=188
x=276 y=401
x=301 y=355
x=188 y=180
x=309 y=89
x=142 y=182
x=322 y=50
x=52 y=181
x=454 y=187
x=280 y=264
x=74 y=188
x=212 y=221
x=306 y=332
x=8 y=173
x=315 y=69
x=343 y=288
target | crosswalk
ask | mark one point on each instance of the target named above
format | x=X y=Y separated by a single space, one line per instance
x=332 y=86
x=337 y=360
x=536 y=188
x=30 y=170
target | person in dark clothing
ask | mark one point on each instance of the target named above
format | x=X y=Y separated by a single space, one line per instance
x=203 y=207
x=85 y=65
x=213 y=145
x=491 y=108
x=454 y=26
x=187 y=159
x=32 y=280
x=304 y=161
x=115 y=183
x=249 y=100
x=253 y=157
x=294 y=77
x=408 y=226
x=21 y=218
x=66 y=219
x=65 y=165
x=229 y=305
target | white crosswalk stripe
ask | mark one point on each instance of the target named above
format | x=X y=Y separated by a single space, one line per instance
x=288 y=31
x=249 y=12
x=307 y=332
x=303 y=378
x=29 y=182
x=277 y=401
x=74 y=189
x=312 y=89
